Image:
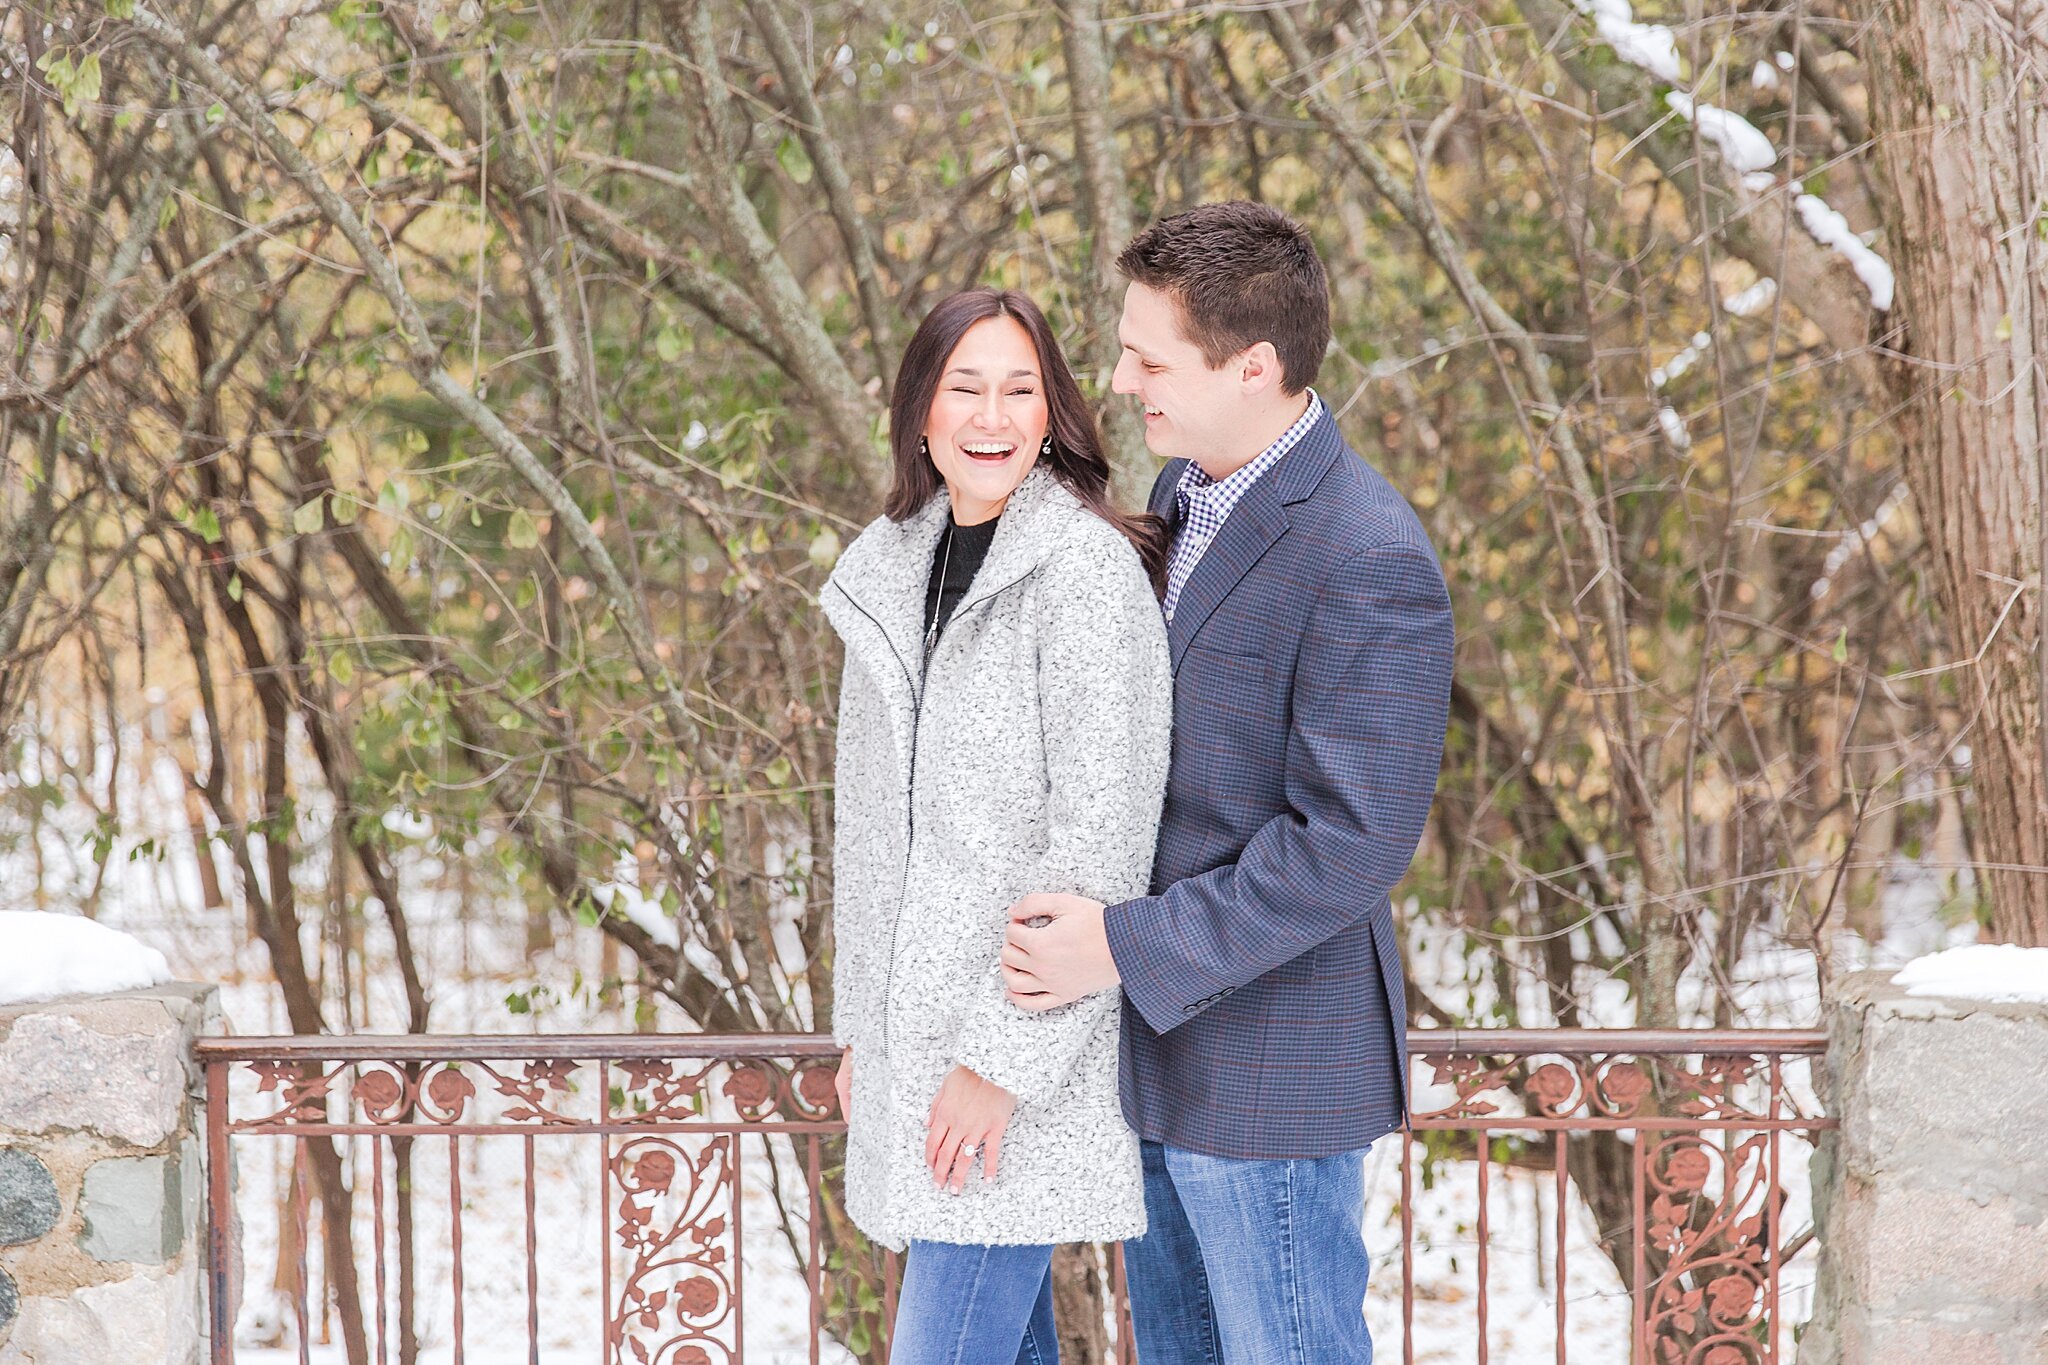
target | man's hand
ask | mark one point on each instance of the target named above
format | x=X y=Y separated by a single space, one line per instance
x=1055 y=952
x=967 y=1119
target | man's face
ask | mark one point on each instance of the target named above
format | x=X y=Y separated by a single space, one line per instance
x=1190 y=409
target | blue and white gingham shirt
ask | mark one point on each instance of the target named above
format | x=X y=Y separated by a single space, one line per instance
x=1204 y=503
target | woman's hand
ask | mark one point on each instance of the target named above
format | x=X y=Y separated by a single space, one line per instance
x=968 y=1116
x=842 y=1083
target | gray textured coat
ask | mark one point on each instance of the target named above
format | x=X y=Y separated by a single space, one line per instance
x=1030 y=754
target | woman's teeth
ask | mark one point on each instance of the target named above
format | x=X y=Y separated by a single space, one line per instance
x=987 y=450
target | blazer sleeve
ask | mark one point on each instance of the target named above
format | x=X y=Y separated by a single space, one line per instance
x=1105 y=693
x=1370 y=702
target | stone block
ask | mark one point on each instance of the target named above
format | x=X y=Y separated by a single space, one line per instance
x=133 y=1209
x=147 y=1319
x=1932 y=1199
x=100 y=1179
x=117 y=1066
x=29 y=1206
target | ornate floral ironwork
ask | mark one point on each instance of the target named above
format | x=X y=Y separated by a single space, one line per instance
x=1677 y=1143
x=1704 y=1158
x=677 y=1303
x=1724 y=1089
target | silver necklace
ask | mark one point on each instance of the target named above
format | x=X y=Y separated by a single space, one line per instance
x=931 y=636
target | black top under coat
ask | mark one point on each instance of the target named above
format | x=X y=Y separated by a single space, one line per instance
x=951 y=574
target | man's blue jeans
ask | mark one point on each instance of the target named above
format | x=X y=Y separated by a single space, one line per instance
x=1250 y=1262
x=975 y=1305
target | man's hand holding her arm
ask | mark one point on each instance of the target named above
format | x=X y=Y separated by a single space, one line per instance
x=1056 y=951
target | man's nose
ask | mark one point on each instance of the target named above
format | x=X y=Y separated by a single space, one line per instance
x=1123 y=379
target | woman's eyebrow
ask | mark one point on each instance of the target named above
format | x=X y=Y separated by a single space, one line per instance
x=976 y=374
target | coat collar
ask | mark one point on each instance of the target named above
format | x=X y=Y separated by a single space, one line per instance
x=878 y=586
x=1259 y=519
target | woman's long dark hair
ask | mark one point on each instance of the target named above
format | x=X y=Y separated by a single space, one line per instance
x=1076 y=458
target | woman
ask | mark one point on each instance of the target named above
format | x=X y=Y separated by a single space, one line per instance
x=1003 y=729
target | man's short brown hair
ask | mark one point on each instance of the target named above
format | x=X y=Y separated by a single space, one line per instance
x=1241 y=273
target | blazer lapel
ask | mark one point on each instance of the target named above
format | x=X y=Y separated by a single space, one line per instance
x=1250 y=529
x=1165 y=502
x=1248 y=532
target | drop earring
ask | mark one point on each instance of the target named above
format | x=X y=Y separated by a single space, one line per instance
x=1045 y=446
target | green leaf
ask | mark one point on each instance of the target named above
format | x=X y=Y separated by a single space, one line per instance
x=344 y=508
x=668 y=344
x=204 y=523
x=1841 y=649
x=234 y=587
x=121 y=9
x=825 y=548
x=524 y=595
x=307 y=519
x=87 y=84
x=520 y=532
x=795 y=160
x=215 y=112
x=341 y=667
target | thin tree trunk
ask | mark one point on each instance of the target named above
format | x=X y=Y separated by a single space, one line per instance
x=1105 y=199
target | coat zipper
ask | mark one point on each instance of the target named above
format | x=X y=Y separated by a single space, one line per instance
x=917 y=689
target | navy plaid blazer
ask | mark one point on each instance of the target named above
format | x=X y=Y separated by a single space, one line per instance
x=1265 y=1013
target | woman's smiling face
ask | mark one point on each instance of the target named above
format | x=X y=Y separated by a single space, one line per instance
x=987 y=418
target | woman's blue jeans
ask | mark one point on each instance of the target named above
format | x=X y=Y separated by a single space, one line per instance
x=975 y=1305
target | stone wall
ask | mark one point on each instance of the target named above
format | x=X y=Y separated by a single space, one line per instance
x=101 y=1232
x=1933 y=1197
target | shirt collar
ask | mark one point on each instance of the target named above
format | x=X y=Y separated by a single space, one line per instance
x=1195 y=480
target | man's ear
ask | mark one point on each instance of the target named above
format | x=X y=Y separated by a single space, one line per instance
x=1258 y=368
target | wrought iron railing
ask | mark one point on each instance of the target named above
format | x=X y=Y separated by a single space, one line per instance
x=1664 y=1153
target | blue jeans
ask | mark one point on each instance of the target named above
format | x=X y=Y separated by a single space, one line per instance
x=1250 y=1262
x=975 y=1305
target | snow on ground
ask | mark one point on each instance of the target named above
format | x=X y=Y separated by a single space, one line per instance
x=1979 y=971
x=48 y=955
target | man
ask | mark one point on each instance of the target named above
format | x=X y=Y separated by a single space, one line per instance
x=1264 y=1014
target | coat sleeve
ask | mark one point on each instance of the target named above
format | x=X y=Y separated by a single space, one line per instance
x=1370 y=702
x=1105 y=695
